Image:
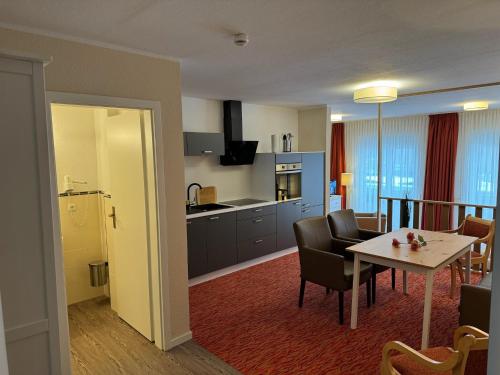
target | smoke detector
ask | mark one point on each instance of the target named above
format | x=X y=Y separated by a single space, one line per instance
x=240 y=39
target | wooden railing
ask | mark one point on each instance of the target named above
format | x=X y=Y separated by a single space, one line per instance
x=417 y=211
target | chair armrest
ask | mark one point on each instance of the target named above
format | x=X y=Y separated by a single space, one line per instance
x=474 y=306
x=417 y=357
x=353 y=241
x=339 y=247
x=321 y=267
x=468 y=330
x=366 y=234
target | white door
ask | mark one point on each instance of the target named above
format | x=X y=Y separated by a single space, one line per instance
x=127 y=179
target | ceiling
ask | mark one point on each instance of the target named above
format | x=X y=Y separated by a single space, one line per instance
x=300 y=53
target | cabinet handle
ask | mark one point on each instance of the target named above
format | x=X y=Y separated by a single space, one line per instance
x=258 y=221
x=188 y=222
x=306 y=204
x=207 y=152
x=213 y=218
x=258 y=242
x=257 y=210
x=307 y=210
x=296 y=203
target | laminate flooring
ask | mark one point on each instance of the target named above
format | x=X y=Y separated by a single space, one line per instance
x=103 y=344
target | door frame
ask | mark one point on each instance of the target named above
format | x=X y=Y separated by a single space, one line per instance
x=160 y=301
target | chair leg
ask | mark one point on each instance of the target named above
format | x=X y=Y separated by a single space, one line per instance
x=341 y=307
x=374 y=286
x=460 y=269
x=302 y=288
x=453 y=280
x=368 y=293
x=393 y=278
x=484 y=266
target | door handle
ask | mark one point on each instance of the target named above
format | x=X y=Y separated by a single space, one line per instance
x=113 y=216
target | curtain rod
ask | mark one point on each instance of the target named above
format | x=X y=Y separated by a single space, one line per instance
x=450 y=89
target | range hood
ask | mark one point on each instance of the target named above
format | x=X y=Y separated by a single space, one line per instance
x=237 y=151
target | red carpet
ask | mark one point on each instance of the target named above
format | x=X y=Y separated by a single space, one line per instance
x=251 y=320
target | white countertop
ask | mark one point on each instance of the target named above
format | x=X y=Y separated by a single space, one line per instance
x=237 y=208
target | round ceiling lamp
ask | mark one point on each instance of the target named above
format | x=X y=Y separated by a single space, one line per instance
x=376 y=94
x=475 y=106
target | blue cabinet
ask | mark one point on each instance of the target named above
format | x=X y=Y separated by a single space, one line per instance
x=313 y=180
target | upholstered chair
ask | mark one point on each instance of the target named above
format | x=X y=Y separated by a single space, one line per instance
x=344 y=226
x=321 y=263
x=439 y=360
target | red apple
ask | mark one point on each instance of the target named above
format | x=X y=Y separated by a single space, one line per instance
x=414 y=245
x=395 y=242
x=410 y=237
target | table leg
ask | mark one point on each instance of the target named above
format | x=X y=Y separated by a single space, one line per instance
x=405 y=282
x=355 y=293
x=429 y=279
x=467 y=267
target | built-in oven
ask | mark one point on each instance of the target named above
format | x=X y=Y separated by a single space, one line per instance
x=288 y=181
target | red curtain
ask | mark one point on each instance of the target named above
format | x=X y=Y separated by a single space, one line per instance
x=440 y=163
x=337 y=159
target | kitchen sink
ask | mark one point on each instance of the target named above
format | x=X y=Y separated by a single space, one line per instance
x=205 y=208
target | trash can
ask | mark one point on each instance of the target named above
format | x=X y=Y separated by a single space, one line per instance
x=98 y=273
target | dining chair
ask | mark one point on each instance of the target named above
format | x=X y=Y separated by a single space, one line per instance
x=322 y=262
x=344 y=226
x=438 y=360
x=475 y=227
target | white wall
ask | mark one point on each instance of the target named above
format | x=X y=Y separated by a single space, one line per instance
x=259 y=122
x=3 y=349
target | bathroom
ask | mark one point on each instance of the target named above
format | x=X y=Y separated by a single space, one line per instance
x=104 y=159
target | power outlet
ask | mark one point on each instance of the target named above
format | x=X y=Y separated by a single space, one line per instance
x=71 y=207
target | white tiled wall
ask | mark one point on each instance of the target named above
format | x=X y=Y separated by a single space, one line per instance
x=81 y=241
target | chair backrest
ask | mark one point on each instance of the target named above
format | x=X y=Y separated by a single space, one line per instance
x=343 y=224
x=313 y=232
x=478 y=227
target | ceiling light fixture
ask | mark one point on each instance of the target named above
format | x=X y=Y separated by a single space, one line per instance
x=475 y=106
x=335 y=117
x=240 y=39
x=376 y=94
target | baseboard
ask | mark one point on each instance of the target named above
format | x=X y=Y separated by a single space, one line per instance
x=240 y=266
x=179 y=340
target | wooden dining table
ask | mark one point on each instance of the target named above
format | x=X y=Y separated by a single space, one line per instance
x=441 y=250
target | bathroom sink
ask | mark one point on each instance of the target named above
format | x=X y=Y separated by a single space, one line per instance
x=205 y=208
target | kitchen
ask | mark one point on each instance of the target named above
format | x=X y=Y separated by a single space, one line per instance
x=244 y=213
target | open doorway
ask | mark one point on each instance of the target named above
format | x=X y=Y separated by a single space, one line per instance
x=107 y=195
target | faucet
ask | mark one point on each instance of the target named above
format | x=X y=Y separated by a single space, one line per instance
x=189 y=202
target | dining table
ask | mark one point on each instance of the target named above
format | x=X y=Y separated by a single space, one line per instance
x=437 y=251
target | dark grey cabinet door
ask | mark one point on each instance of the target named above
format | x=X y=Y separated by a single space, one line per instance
x=221 y=241
x=312 y=211
x=287 y=214
x=197 y=249
x=203 y=144
x=313 y=182
x=289 y=157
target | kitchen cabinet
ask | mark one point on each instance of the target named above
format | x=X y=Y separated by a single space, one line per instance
x=221 y=241
x=196 y=144
x=289 y=157
x=312 y=211
x=313 y=181
x=211 y=243
x=287 y=213
x=256 y=232
x=197 y=247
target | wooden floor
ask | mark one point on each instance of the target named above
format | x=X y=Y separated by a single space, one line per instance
x=102 y=343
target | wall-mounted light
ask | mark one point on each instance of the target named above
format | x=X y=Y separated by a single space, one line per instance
x=376 y=94
x=475 y=106
x=335 y=117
